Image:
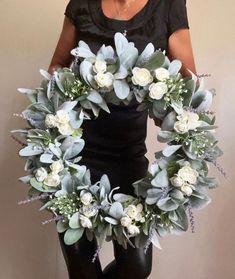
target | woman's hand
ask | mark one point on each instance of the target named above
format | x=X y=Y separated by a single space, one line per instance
x=67 y=41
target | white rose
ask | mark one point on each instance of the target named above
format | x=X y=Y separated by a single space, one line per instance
x=65 y=129
x=104 y=79
x=181 y=127
x=89 y=210
x=86 y=198
x=187 y=189
x=191 y=118
x=62 y=117
x=131 y=211
x=177 y=181
x=157 y=90
x=41 y=174
x=141 y=76
x=57 y=166
x=133 y=230
x=85 y=222
x=52 y=180
x=188 y=174
x=125 y=221
x=161 y=74
x=100 y=66
x=50 y=121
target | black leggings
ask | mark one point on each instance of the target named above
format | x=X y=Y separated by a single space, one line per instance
x=128 y=263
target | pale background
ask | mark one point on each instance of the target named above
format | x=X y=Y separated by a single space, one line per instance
x=29 y=32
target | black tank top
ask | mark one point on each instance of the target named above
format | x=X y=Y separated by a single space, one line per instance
x=122 y=133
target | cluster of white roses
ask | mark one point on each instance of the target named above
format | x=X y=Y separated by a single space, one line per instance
x=102 y=77
x=60 y=121
x=143 y=77
x=89 y=209
x=187 y=120
x=185 y=179
x=133 y=214
x=52 y=178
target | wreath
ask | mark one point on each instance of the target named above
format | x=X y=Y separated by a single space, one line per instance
x=176 y=182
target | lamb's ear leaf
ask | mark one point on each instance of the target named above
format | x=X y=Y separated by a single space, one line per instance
x=71 y=236
x=121 y=88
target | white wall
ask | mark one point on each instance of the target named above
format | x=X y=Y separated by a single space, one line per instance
x=29 y=32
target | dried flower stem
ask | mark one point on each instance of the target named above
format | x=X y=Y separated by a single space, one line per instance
x=52 y=219
x=191 y=217
x=36 y=198
x=97 y=251
x=149 y=240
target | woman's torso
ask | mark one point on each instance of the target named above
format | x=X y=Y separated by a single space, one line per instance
x=122 y=133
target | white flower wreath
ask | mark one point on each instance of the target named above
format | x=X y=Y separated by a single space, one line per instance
x=177 y=180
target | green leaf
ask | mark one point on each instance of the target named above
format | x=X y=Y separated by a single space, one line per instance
x=71 y=236
x=74 y=221
x=61 y=226
x=116 y=210
x=121 y=88
x=94 y=97
x=161 y=179
x=155 y=61
x=174 y=67
x=167 y=204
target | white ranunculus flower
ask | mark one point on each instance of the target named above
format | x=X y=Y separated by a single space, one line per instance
x=62 y=117
x=139 y=207
x=41 y=174
x=100 y=66
x=104 y=79
x=52 y=180
x=191 y=118
x=161 y=74
x=57 y=166
x=157 y=90
x=188 y=174
x=65 y=129
x=138 y=217
x=131 y=211
x=89 y=210
x=181 y=127
x=141 y=76
x=50 y=121
x=187 y=189
x=133 y=230
x=86 y=198
x=85 y=222
x=177 y=181
x=125 y=221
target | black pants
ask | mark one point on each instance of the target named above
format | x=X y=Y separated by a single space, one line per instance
x=128 y=263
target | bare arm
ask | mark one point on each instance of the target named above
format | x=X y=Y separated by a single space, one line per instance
x=67 y=41
x=180 y=47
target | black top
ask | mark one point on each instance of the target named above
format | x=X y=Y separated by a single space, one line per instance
x=122 y=133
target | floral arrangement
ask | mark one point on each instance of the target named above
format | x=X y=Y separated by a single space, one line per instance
x=176 y=182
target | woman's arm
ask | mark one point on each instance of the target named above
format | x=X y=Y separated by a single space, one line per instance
x=67 y=41
x=180 y=47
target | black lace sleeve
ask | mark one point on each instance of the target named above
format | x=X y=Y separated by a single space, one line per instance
x=71 y=10
x=177 y=16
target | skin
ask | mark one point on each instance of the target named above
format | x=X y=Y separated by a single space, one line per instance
x=179 y=43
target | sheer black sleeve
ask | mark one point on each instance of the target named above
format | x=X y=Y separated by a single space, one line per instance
x=177 y=16
x=71 y=10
